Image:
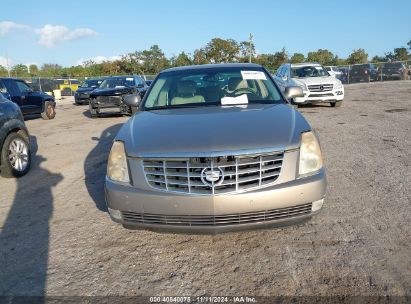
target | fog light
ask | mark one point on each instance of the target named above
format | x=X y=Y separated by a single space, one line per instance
x=317 y=205
x=115 y=213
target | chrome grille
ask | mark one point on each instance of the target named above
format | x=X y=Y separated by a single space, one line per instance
x=217 y=220
x=320 y=88
x=321 y=95
x=236 y=173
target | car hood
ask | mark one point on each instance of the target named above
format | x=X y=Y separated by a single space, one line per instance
x=316 y=80
x=42 y=95
x=209 y=131
x=112 y=91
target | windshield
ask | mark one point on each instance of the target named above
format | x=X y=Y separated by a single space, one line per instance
x=397 y=65
x=208 y=87
x=308 y=71
x=91 y=83
x=117 y=82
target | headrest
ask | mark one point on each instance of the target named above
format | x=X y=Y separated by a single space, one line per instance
x=235 y=83
x=186 y=87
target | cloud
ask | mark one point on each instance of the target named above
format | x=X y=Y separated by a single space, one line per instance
x=7 y=26
x=98 y=59
x=51 y=35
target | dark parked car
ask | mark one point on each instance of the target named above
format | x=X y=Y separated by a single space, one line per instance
x=394 y=70
x=149 y=82
x=29 y=101
x=344 y=74
x=363 y=72
x=15 y=157
x=82 y=94
x=109 y=95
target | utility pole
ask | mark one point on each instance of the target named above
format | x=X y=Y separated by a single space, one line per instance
x=8 y=67
x=250 y=49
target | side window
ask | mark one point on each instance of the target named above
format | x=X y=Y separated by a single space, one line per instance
x=3 y=89
x=22 y=87
x=11 y=87
x=139 y=81
x=287 y=71
x=278 y=74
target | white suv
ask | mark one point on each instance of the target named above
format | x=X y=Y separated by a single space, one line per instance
x=316 y=82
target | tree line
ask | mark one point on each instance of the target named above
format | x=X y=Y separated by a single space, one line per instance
x=217 y=50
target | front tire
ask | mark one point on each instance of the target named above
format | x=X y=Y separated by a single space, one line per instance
x=15 y=156
x=336 y=104
x=49 y=111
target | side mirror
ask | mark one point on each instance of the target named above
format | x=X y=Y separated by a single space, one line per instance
x=132 y=100
x=293 y=92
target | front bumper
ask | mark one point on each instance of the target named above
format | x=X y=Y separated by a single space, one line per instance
x=313 y=97
x=78 y=97
x=280 y=204
x=110 y=102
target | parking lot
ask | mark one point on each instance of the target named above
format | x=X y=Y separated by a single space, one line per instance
x=57 y=238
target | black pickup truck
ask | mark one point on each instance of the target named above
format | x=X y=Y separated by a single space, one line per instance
x=29 y=101
x=109 y=95
x=363 y=72
x=394 y=70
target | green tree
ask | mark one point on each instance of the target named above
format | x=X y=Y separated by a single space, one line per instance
x=272 y=61
x=401 y=54
x=321 y=56
x=3 y=71
x=377 y=58
x=33 y=69
x=152 y=61
x=409 y=44
x=200 y=57
x=357 y=56
x=51 y=70
x=222 y=50
x=20 y=70
x=181 y=60
x=246 y=47
x=297 y=58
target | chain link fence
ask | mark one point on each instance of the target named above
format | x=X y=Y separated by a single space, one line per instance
x=348 y=74
x=371 y=72
x=64 y=86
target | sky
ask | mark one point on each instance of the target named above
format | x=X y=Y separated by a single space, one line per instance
x=69 y=32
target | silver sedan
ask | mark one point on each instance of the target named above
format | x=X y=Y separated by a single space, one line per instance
x=214 y=148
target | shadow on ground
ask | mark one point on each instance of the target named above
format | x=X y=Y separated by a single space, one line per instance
x=24 y=237
x=95 y=166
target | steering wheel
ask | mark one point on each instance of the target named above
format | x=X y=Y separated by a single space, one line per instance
x=245 y=90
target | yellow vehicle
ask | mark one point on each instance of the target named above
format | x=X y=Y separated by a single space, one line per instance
x=67 y=86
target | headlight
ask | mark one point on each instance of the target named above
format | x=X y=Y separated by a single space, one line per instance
x=338 y=85
x=310 y=154
x=117 y=168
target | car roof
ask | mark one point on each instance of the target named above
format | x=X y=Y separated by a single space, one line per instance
x=305 y=64
x=10 y=78
x=213 y=66
x=121 y=76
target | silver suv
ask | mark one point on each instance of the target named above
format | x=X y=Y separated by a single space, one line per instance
x=214 y=148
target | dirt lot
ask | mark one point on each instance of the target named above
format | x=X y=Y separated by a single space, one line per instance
x=56 y=236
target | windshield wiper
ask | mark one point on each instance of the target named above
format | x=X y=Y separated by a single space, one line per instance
x=188 y=105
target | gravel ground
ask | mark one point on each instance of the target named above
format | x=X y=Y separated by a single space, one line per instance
x=57 y=239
